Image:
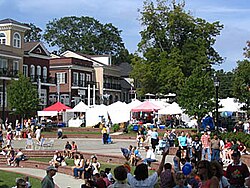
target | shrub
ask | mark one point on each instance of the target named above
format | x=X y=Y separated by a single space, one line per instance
x=116 y=127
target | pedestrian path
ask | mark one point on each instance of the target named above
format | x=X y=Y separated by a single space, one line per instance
x=62 y=180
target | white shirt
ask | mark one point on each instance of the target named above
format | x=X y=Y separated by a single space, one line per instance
x=147 y=183
x=150 y=154
x=96 y=166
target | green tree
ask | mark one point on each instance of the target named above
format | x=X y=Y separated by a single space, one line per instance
x=197 y=94
x=173 y=44
x=85 y=35
x=226 y=81
x=241 y=83
x=34 y=34
x=22 y=96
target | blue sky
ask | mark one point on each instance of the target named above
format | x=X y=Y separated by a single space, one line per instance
x=233 y=14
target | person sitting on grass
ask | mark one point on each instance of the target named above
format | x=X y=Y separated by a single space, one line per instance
x=150 y=156
x=105 y=178
x=80 y=167
x=20 y=183
x=135 y=156
x=141 y=178
x=95 y=164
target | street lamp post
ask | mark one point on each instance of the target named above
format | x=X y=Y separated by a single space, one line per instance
x=216 y=84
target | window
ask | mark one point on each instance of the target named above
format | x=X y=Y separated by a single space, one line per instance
x=43 y=97
x=75 y=78
x=38 y=71
x=45 y=73
x=32 y=73
x=88 y=77
x=2 y=38
x=61 y=77
x=82 y=79
x=25 y=70
x=64 y=98
x=3 y=63
x=52 y=98
x=15 y=65
x=17 y=40
x=1 y=97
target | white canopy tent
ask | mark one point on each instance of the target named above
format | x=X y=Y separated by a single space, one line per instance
x=173 y=108
x=80 y=107
x=93 y=115
x=230 y=104
x=119 y=112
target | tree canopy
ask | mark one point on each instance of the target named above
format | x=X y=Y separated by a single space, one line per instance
x=34 y=34
x=22 y=96
x=86 y=35
x=241 y=83
x=176 y=51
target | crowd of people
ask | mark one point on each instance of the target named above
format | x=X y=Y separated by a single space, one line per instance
x=205 y=161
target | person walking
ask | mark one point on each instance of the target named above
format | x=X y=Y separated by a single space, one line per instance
x=154 y=139
x=48 y=181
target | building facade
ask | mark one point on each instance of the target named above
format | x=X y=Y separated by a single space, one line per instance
x=11 y=57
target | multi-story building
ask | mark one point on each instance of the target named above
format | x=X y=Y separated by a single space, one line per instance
x=11 y=56
x=102 y=80
x=75 y=83
x=36 y=67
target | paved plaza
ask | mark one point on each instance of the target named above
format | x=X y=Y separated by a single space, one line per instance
x=93 y=146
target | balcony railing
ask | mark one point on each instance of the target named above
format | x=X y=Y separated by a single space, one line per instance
x=112 y=86
x=8 y=73
x=43 y=79
x=80 y=83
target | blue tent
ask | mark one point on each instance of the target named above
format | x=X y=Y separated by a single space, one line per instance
x=208 y=121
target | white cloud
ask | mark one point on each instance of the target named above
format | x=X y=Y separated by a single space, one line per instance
x=223 y=10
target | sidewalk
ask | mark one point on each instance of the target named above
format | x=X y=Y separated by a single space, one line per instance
x=62 y=180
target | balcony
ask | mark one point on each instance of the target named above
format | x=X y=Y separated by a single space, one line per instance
x=80 y=83
x=112 y=86
x=8 y=73
x=44 y=79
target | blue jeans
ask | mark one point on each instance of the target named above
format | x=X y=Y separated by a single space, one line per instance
x=149 y=161
x=76 y=170
x=215 y=154
x=204 y=152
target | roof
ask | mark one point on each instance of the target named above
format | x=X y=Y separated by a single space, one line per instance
x=126 y=68
x=27 y=46
x=57 y=107
x=11 y=21
x=125 y=84
x=146 y=107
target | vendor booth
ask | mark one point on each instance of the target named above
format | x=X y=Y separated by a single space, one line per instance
x=145 y=112
x=58 y=109
x=79 y=113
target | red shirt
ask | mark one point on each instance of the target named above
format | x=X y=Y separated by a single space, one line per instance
x=236 y=174
x=228 y=145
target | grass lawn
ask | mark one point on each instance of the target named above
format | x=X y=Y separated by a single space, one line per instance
x=8 y=179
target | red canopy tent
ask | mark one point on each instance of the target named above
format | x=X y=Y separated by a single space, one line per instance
x=57 y=107
x=146 y=107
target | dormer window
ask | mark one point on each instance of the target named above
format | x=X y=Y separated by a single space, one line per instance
x=17 y=40
x=2 y=38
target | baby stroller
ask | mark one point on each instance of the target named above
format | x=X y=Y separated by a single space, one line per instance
x=109 y=140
